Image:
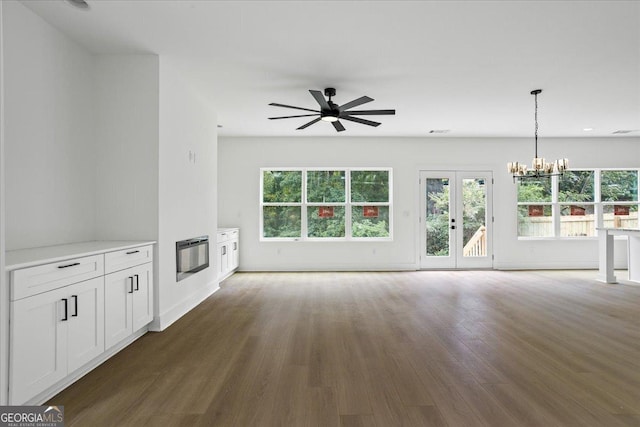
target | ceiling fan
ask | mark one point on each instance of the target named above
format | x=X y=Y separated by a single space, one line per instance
x=332 y=112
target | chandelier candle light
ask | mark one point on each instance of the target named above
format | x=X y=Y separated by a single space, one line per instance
x=539 y=167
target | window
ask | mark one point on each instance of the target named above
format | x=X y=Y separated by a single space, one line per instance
x=326 y=204
x=577 y=203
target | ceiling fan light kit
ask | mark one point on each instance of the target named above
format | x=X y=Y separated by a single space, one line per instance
x=331 y=112
x=540 y=168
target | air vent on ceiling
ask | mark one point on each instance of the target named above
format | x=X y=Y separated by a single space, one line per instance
x=623 y=131
x=439 y=131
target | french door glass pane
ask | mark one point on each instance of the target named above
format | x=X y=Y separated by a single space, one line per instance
x=474 y=204
x=437 y=217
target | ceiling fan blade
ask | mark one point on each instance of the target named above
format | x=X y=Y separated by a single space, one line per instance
x=291 y=106
x=361 y=121
x=355 y=103
x=306 y=125
x=320 y=99
x=338 y=126
x=291 y=117
x=369 y=112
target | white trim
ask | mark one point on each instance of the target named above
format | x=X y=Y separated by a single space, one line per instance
x=174 y=313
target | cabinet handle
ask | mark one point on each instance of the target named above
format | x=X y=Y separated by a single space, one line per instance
x=131 y=291
x=65 y=318
x=69 y=265
x=132 y=252
x=75 y=304
x=235 y=246
x=224 y=250
x=137 y=282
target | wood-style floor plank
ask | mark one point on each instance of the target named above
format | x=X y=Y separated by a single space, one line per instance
x=436 y=348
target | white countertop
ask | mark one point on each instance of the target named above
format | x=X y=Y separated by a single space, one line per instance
x=35 y=256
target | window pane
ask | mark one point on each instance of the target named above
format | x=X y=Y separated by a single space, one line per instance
x=370 y=186
x=370 y=221
x=281 y=221
x=577 y=220
x=282 y=186
x=535 y=221
x=325 y=221
x=325 y=186
x=620 y=216
x=534 y=190
x=617 y=186
x=576 y=186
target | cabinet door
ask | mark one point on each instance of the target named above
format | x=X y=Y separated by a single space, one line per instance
x=142 y=296
x=223 y=258
x=118 y=289
x=38 y=335
x=86 y=322
x=234 y=259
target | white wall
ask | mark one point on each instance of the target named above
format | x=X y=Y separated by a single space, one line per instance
x=50 y=143
x=187 y=195
x=240 y=159
x=126 y=149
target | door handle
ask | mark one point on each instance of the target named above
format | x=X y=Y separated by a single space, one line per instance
x=137 y=282
x=131 y=291
x=65 y=318
x=75 y=304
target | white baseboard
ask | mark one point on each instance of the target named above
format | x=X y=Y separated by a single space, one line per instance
x=166 y=319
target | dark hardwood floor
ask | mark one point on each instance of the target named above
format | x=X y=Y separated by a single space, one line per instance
x=463 y=348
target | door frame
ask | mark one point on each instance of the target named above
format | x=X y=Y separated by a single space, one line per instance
x=455 y=260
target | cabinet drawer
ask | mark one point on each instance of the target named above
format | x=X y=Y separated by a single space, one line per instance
x=35 y=280
x=119 y=260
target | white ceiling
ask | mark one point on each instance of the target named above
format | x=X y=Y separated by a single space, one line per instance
x=466 y=66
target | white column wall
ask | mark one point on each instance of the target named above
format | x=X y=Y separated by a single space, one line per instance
x=187 y=192
x=240 y=160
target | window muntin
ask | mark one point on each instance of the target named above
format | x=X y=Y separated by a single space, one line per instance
x=326 y=204
x=576 y=204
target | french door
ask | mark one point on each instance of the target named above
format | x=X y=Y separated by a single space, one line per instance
x=456 y=220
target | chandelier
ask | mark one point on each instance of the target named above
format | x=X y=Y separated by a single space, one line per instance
x=539 y=167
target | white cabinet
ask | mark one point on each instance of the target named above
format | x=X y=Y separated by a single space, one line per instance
x=52 y=334
x=228 y=261
x=128 y=302
x=64 y=312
